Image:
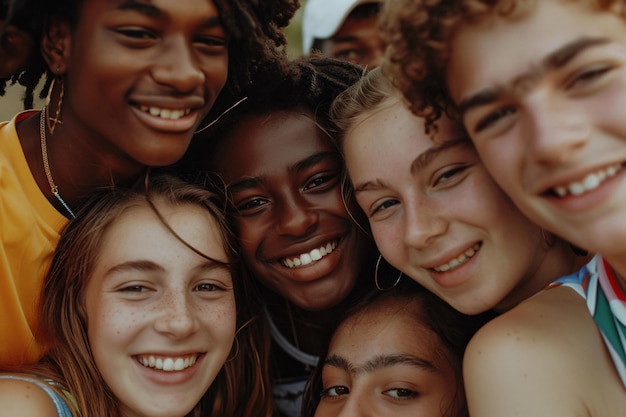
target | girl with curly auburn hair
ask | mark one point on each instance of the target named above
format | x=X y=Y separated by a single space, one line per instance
x=129 y=83
x=138 y=312
x=540 y=87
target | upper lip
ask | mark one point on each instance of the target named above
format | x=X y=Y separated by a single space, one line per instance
x=547 y=182
x=304 y=247
x=174 y=103
x=166 y=354
x=447 y=256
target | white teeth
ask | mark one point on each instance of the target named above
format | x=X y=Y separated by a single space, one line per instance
x=316 y=254
x=309 y=257
x=306 y=259
x=590 y=182
x=167 y=364
x=171 y=114
x=459 y=260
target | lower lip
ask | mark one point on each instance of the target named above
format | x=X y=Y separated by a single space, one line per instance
x=589 y=199
x=317 y=269
x=457 y=276
x=169 y=377
x=184 y=124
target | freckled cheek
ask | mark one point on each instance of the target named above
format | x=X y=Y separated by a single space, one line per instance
x=220 y=317
x=113 y=324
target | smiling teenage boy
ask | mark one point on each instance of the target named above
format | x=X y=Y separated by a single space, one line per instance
x=541 y=88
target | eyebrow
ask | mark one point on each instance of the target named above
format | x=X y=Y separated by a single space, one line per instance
x=428 y=156
x=420 y=162
x=147 y=9
x=554 y=60
x=253 y=182
x=142 y=265
x=379 y=362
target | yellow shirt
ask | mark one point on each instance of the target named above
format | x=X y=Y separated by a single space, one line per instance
x=29 y=233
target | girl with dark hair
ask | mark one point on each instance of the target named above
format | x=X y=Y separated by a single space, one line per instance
x=130 y=82
x=276 y=155
x=398 y=352
x=138 y=312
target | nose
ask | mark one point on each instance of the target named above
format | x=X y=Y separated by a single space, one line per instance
x=176 y=317
x=556 y=131
x=425 y=221
x=178 y=67
x=296 y=216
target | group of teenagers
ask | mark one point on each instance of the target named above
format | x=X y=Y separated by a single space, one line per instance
x=196 y=225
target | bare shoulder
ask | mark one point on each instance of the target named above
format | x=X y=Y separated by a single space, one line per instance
x=22 y=398
x=547 y=349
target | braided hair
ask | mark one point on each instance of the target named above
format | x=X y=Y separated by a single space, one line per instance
x=255 y=28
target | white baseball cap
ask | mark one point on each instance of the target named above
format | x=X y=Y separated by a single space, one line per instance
x=321 y=19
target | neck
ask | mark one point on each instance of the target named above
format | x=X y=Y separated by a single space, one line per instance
x=76 y=167
x=558 y=261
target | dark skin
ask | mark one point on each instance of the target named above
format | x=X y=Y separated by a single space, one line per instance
x=137 y=82
x=284 y=179
x=16 y=49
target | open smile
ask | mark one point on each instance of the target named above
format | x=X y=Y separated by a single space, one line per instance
x=459 y=260
x=167 y=363
x=308 y=258
x=169 y=114
x=588 y=183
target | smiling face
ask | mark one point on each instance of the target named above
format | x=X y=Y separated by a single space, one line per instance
x=297 y=237
x=161 y=318
x=437 y=215
x=141 y=75
x=383 y=362
x=548 y=120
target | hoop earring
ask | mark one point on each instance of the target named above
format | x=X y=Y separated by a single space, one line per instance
x=376 y=277
x=236 y=344
x=548 y=238
x=57 y=114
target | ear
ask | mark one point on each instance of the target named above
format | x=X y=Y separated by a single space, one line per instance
x=55 y=46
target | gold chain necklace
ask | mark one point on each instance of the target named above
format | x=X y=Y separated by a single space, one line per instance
x=46 y=165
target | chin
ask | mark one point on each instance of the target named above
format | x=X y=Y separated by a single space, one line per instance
x=321 y=301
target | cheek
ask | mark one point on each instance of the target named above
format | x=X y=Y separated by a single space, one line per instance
x=217 y=73
x=388 y=241
x=606 y=111
x=220 y=319
x=110 y=323
x=503 y=162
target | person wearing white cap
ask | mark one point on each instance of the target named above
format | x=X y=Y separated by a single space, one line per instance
x=343 y=29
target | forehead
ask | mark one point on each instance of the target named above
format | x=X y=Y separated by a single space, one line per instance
x=261 y=143
x=161 y=9
x=496 y=49
x=393 y=326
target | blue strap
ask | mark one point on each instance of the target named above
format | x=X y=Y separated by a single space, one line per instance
x=63 y=410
